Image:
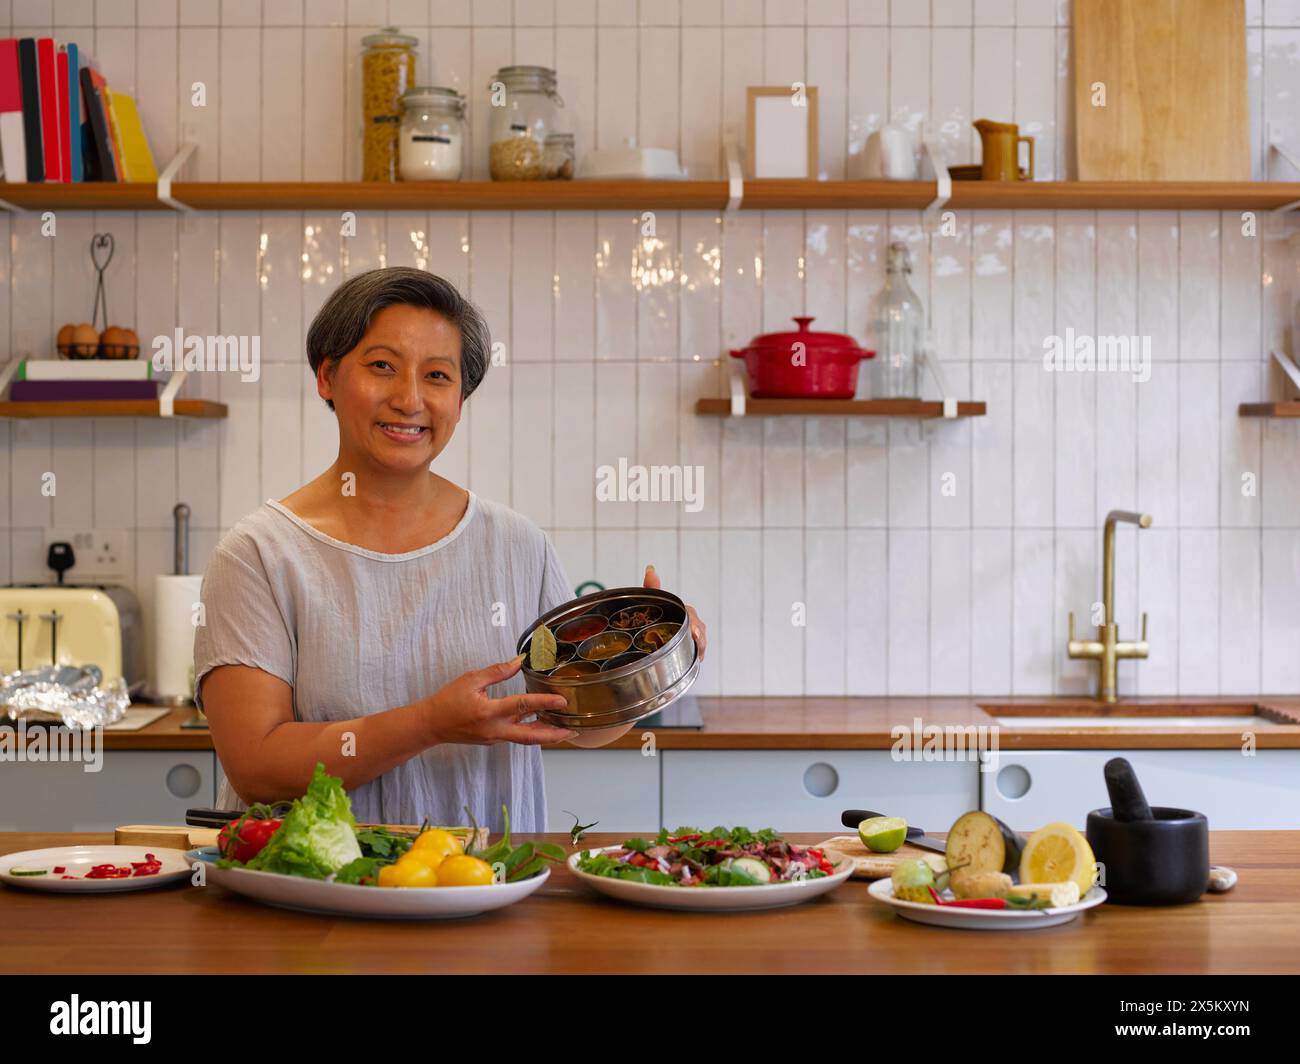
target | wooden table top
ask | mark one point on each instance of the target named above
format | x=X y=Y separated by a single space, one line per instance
x=854 y=723
x=563 y=928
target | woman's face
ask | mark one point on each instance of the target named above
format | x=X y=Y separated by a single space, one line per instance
x=398 y=392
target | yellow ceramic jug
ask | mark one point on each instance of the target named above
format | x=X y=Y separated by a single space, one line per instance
x=1001 y=144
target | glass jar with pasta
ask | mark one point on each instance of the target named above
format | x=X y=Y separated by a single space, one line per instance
x=387 y=71
x=523 y=112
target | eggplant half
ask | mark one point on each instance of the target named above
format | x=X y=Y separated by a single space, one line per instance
x=980 y=842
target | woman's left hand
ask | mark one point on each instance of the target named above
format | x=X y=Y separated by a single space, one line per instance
x=697 y=626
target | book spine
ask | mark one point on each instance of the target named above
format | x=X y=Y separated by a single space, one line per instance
x=31 y=109
x=47 y=75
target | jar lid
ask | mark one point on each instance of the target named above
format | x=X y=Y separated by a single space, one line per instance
x=820 y=341
x=433 y=96
x=389 y=37
x=536 y=78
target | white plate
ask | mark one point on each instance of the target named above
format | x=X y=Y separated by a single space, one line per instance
x=345 y=899
x=78 y=860
x=712 y=899
x=984 y=919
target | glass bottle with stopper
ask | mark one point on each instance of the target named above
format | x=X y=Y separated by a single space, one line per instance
x=896 y=325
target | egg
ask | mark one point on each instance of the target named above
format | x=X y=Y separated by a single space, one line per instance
x=85 y=341
x=118 y=342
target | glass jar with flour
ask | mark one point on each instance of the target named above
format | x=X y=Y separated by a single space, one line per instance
x=432 y=142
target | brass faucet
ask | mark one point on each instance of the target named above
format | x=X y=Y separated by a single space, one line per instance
x=1107 y=648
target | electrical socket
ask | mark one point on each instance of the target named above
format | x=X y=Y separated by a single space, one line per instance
x=100 y=553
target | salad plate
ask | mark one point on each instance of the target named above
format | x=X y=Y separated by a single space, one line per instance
x=706 y=897
x=984 y=919
x=345 y=899
x=64 y=869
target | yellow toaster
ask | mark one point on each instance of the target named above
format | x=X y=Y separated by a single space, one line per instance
x=67 y=625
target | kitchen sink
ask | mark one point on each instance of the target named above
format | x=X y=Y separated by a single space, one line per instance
x=1247 y=723
x=1068 y=714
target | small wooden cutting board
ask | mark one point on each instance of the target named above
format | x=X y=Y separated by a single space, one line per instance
x=182 y=837
x=868 y=865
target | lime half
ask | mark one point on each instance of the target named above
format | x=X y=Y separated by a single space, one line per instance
x=883 y=834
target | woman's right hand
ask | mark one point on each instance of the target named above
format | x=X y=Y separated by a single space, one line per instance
x=462 y=712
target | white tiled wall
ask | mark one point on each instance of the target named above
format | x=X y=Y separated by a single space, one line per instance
x=906 y=590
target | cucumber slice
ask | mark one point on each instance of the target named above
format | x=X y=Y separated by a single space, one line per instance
x=752 y=868
x=16 y=871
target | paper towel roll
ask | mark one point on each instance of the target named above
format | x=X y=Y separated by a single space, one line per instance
x=174 y=599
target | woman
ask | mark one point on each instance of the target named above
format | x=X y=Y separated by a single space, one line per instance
x=368 y=620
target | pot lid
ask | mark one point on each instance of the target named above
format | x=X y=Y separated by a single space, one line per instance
x=820 y=341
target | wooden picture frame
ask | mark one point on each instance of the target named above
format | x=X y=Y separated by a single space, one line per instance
x=759 y=156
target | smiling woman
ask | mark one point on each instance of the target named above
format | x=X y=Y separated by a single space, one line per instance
x=367 y=620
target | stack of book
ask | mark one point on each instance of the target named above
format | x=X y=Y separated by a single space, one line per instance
x=59 y=120
x=56 y=380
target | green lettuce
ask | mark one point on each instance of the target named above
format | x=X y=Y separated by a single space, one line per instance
x=318 y=835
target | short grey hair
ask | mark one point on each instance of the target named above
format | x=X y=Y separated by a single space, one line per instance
x=342 y=322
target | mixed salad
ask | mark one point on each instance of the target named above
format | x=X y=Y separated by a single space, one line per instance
x=317 y=837
x=689 y=857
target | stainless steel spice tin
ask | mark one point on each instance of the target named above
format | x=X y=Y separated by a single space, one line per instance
x=628 y=692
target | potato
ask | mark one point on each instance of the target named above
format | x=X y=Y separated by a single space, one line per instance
x=980 y=884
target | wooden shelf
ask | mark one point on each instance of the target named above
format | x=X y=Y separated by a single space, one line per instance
x=1290 y=408
x=922 y=408
x=111 y=408
x=662 y=195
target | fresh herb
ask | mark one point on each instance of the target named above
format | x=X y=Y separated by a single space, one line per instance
x=518 y=862
x=576 y=832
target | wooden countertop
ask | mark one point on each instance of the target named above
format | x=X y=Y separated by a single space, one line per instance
x=771 y=723
x=563 y=928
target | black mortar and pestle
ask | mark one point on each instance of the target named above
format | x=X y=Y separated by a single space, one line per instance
x=1151 y=855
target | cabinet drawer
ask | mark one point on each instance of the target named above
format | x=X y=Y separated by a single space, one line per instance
x=619 y=788
x=807 y=790
x=1236 y=793
x=132 y=787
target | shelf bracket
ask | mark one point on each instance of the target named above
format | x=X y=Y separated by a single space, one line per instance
x=1288 y=367
x=739 y=389
x=930 y=361
x=169 y=172
x=1277 y=144
x=7 y=372
x=931 y=151
x=735 y=177
x=167 y=398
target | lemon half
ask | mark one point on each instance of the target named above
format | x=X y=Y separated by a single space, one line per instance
x=1057 y=853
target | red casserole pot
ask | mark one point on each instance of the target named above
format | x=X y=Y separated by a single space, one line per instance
x=803 y=364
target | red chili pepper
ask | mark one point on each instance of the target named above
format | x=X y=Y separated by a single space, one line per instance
x=969 y=903
x=683 y=838
x=60 y=868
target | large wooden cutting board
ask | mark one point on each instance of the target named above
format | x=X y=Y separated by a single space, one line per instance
x=868 y=865
x=1175 y=88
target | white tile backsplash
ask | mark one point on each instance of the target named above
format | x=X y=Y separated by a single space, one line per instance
x=612 y=332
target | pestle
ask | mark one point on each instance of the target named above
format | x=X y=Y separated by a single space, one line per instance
x=1127 y=802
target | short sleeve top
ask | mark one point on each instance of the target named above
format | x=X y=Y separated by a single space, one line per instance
x=355 y=631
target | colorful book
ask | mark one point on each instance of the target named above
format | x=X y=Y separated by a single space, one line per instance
x=84 y=369
x=101 y=91
x=13 y=145
x=31 y=109
x=74 y=391
x=100 y=151
x=72 y=116
x=65 y=122
x=48 y=87
x=132 y=145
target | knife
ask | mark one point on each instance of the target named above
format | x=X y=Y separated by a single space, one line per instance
x=851 y=818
